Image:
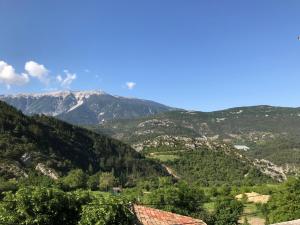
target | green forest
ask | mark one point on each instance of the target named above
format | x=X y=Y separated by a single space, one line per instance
x=26 y=141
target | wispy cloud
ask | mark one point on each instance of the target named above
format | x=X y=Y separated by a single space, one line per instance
x=66 y=81
x=130 y=85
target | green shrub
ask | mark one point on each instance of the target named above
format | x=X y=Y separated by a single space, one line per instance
x=52 y=206
x=76 y=179
x=106 y=211
x=228 y=211
x=39 y=206
x=285 y=205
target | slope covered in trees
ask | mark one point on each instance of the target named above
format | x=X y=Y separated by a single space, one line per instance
x=207 y=163
x=55 y=147
x=270 y=133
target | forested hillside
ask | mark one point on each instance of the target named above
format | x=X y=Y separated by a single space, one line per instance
x=54 y=147
x=263 y=132
x=208 y=163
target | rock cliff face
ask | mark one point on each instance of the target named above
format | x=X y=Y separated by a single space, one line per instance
x=46 y=171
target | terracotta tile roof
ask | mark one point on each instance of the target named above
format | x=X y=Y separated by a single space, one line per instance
x=295 y=222
x=150 y=216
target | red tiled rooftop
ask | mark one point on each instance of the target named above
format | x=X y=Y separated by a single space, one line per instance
x=150 y=216
x=295 y=222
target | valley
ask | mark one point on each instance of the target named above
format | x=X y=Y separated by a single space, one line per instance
x=154 y=157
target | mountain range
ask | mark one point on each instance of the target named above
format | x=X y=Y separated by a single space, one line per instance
x=84 y=107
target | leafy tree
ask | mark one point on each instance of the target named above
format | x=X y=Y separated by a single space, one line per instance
x=285 y=205
x=39 y=206
x=107 y=181
x=106 y=211
x=182 y=199
x=213 y=192
x=34 y=179
x=52 y=206
x=93 y=182
x=164 y=181
x=228 y=211
x=75 y=179
x=225 y=190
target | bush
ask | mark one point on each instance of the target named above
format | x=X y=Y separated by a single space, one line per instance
x=182 y=199
x=93 y=182
x=107 y=181
x=37 y=206
x=36 y=180
x=76 y=179
x=106 y=210
x=228 y=211
x=285 y=205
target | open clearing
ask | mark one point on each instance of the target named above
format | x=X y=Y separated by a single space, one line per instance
x=255 y=197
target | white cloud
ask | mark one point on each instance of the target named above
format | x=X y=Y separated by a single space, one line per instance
x=9 y=76
x=37 y=70
x=68 y=80
x=59 y=78
x=87 y=70
x=130 y=85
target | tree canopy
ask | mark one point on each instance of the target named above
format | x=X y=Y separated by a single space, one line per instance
x=285 y=204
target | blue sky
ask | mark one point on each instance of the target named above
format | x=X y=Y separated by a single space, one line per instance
x=202 y=55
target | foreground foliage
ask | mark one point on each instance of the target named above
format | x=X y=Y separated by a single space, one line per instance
x=52 y=206
x=228 y=211
x=285 y=204
x=106 y=210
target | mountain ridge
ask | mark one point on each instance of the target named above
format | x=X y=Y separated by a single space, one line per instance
x=263 y=132
x=84 y=107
